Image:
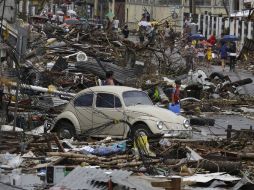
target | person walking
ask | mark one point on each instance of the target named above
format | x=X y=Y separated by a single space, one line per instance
x=200 y=52
x=232 y=56
x=142 y=33
x=125 y=31
x=166 y=31
x=209 y=56
x=189 y=52
x=172 y=37
x=115 y=24
x=223 y=55
x=212 y=39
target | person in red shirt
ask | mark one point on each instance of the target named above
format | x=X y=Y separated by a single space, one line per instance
x=176 y=93
x=212 y=39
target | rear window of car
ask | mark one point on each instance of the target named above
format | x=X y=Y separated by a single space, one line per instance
x=84 y=100
x=105 y=100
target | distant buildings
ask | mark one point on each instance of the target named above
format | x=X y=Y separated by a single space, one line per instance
x=130 y=11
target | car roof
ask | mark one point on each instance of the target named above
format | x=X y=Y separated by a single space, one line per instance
x=112 y=89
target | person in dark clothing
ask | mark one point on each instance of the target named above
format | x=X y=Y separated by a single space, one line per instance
x=108 y=24
x=142 y=32
x=152 y=33
x=126 y=31
x=223 y=55
x=189 y=55
x=1 y=96
x=232 y=56
x=109 y=78
x=172 y=37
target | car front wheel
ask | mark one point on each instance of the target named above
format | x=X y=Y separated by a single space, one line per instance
x=141 y=129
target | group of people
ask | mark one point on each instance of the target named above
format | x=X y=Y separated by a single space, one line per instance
x=201 y=51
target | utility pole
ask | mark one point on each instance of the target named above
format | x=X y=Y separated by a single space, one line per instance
x=182 y=15
x=152 y=9
x=83 y=8
x=23 y=13
x=1 y=37
x=212 y=4
x=194 y=7
x=95 y=8
x=113 y=6
x=190 y=6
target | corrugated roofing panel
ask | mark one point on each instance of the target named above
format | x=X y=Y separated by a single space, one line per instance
x=96 y=179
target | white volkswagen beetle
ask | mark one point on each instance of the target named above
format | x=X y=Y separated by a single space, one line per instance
x=92 y=109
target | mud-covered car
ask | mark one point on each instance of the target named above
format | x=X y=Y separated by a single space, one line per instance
x=92 y=109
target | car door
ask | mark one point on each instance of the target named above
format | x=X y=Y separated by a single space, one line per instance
x=108 y=107
x=83 y=105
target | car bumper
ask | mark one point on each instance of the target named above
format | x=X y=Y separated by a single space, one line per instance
x=178 y=133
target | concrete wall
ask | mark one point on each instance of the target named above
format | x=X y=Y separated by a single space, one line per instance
x=238 y=27
x=133 y=12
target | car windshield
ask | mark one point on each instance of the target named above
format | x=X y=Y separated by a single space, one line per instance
x=132 y=98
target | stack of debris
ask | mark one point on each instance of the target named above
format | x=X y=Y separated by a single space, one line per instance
x=179 y=163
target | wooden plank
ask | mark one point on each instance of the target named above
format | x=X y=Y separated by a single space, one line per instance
x=172 y=184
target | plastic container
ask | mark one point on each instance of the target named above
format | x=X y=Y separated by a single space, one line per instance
x=174 y=108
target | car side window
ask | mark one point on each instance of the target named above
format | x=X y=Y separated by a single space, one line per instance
x=105 y=100
x=84 y=100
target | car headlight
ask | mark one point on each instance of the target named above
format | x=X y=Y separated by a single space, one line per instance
x=186 y=123
x=160 y=125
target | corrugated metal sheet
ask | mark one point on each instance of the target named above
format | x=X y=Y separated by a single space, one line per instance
x=97 y=179
x=121 y=74
x=47 y=102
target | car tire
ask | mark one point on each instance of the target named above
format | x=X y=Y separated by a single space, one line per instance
x=216 y=74
x=140 y=129
x=65 y=130
x=202 y=121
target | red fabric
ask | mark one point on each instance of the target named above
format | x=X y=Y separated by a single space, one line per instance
x=212 y=40
x=177 y=95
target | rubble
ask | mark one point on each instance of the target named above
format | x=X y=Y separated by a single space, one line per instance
x=63 y=60
x=190 y=161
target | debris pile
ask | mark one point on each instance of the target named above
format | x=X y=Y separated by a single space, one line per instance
x=190 y=160
x=63 y=60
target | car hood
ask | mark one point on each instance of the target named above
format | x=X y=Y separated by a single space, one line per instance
x=162 y=114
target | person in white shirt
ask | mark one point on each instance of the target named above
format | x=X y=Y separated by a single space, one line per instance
x=61 y=19
x=115 y=24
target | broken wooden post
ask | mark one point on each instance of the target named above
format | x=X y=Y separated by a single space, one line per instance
x=60 y=146
x=171 y=184
x=229 y=129
x=48 y=142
